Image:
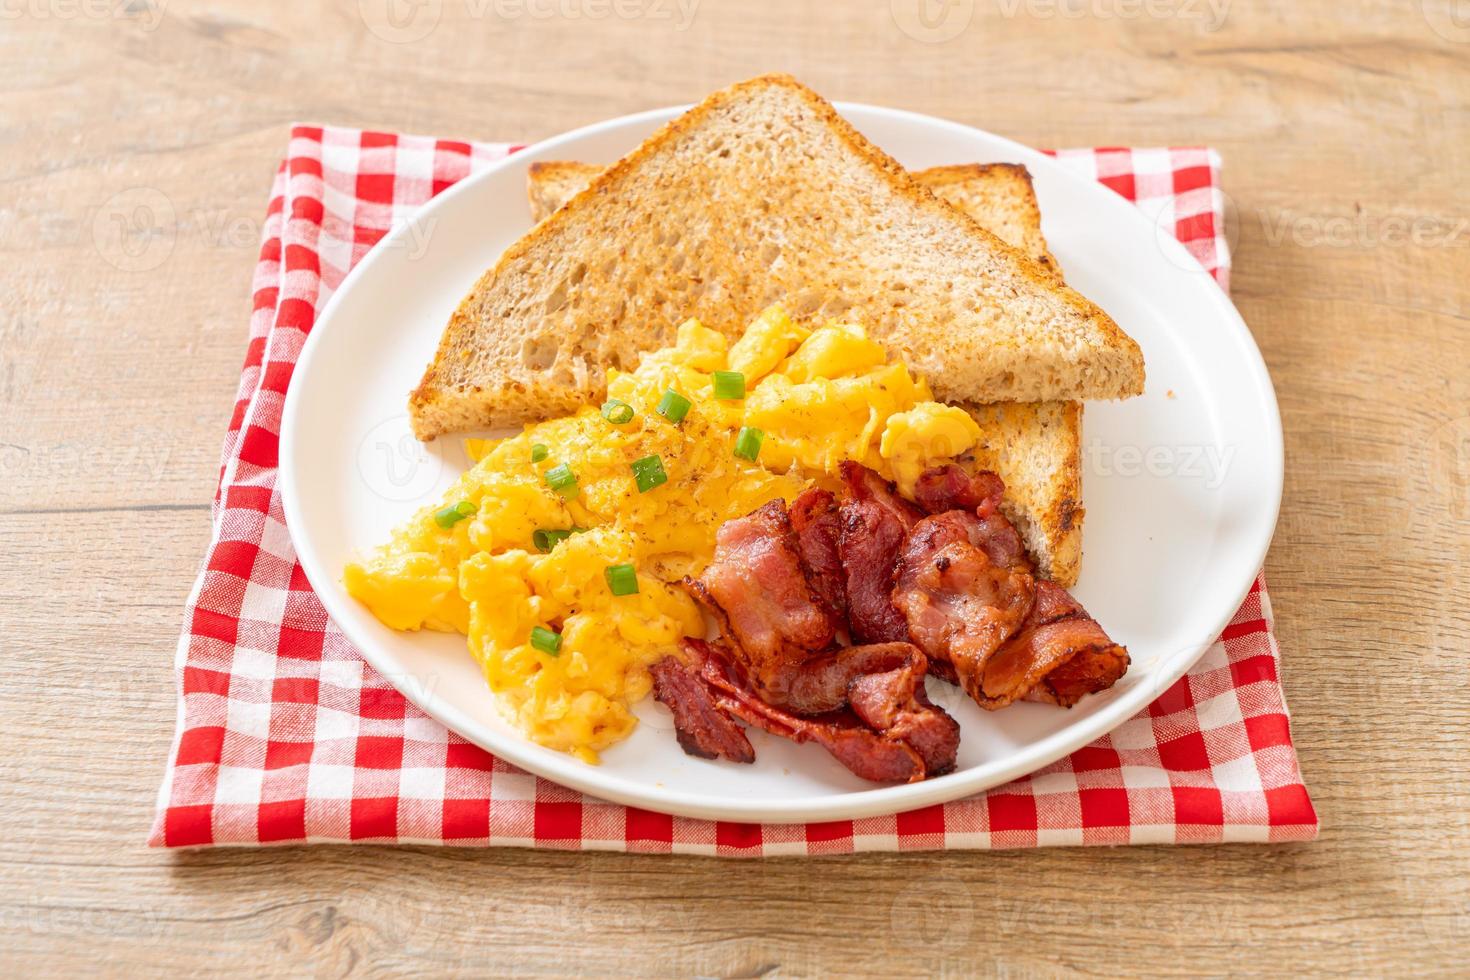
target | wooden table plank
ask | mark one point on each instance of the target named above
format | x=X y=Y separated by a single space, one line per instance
x=1346 y=138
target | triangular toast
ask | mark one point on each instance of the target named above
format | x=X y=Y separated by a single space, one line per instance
x=762 y=193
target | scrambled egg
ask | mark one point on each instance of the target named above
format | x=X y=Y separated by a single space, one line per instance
x=558 y=554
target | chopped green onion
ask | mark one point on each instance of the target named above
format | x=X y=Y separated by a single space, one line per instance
x=748 y=442
x=729 y=385
x=545 y=640
x=673 y=406
x=454 y=513
x=621 y=579
x=648 y=472
x=547 y=538
x=616 y=412
x=539 y=452
x=562 y=480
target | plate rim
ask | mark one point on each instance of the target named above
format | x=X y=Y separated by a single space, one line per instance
x=879 y=800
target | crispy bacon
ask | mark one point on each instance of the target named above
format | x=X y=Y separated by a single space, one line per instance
x=864 y=484
x=883 y=683
x=1060 y=656
x=965 y=588
x=756 y=584
x=952 y=487
x=815 y=520
x=959 y=605
x=952 y=593
x=703 y=728
x=869 y=543
x=872 y=755
x=874 y=522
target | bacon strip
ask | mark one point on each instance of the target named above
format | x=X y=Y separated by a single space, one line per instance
x=773 y=618
x=814 y=518
x=952 y=487
x=959 y=605
x=874 y=522
x=704 y=729
x=866 y=753
x=1060 y=656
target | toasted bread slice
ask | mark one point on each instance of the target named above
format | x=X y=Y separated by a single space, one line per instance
x=1035 y=447
x=997 y=195
x=762 y=193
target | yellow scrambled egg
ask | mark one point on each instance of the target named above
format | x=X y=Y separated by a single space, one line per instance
x=540 y=577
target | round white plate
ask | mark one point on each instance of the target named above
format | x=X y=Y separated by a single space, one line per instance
x=1182 y=484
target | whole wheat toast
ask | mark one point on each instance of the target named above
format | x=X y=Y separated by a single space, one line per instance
x=1035 y=447
x=761 y=193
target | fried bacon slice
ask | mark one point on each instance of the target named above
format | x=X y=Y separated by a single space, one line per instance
x=883 y=684
x=877 y=756
x=704 y=729
x=952 y=487
x=757 y=585
x=1060 y=655
x=965 y=587
x=874 y=523
x=941 y=489
x=960 y=606
x=815 y=520
x=950 y=592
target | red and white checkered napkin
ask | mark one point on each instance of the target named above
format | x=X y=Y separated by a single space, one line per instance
x=286 y=735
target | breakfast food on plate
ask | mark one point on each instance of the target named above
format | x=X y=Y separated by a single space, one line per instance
x=940 y=583
x=1035 y=447
x=576 y=555
x=735 y=487
x=761 y=193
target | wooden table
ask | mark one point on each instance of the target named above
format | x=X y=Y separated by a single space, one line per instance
x=1345 y=129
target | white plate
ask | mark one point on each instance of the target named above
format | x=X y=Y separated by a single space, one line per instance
x=1182 y=484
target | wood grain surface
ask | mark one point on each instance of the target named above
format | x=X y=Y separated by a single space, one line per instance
x=1345 y=129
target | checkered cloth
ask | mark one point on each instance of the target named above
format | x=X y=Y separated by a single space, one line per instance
x=286 y=735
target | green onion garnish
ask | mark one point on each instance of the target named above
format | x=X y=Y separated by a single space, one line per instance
x=562 y=480
x=648 y=472
x=748 y=442
x=545 y=640
x=453 y=514
x=547 y=538
x=616 y=412
x=673 y=406
x=729 y=385
x=539 y=452
x=621 y=579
